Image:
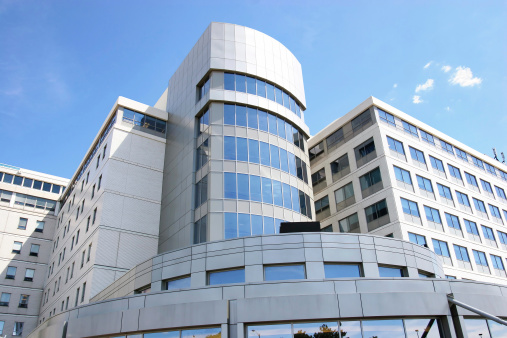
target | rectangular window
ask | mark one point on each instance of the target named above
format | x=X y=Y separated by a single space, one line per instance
x=402 y=175
x=427 y=137
x=349 y=224
x=410 y=207
x=89 y=252
x=376 y=211
x=447 y=147
x=18 y=329
x=488 y=233
x=178 y=283
x=345 y=194
x=318 y=177
x=424 y=183
x=99 y=183
x=437 y=164
x=417 y=239
x=391 y=271
x=454 y=172
x=229 y=148
x=461 y=154
x=444 y=191
x=411 y=129
x=83 y=292
x=471 y=180
x=335 y=270
x=321 y=205
x=452 y=221
x=497 y=262
x=22 y=223
x=500 y=193
x=201 y=191
x=5 y=298
x=502 y=236
x=395 y=145
x=284 y=272
x=93 y=194
x=365 y=149
x=479 y=205
x=490 y=169
x=386 y=117
x=461 y=253
x=39 y=226
x=478 y=163
x=480 y=258
x=441 y=248
x=361 y=120
x=16 y=248
x=29 y=274
x=23 y=301
x=2 y=323
x=334 y=139
x=471 y=227
x=486 y=186
x=495 y=212
x=34 y=250
x=316 y=151
x=200 y=230
x=98 y=162
x=340 y=165
x=77 y=297
x=371 y=178
x=226 y=277
x=417 y=155
x=77 y=237
x=11 y=272
x=462 y=199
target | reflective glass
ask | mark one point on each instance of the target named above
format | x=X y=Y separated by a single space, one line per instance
x=278 y=95
x=227 y=277
x=284 y=272
x=272 y=124
x=281 y=127
x=497 y=330
x=251 y=85
x=256 y=225
x=178 y=283
x=171 y=334
x=242 y=149
x=277 y=193
x=252 y=118
x=264 y=149
x=243 y=190
x=229 y=148
x=241 y=116
x=319 y=329
x=267 y=195
x=288 y=133
x=286 y=196
x=385 y=271
x=270 y=331
x=477 y=328
x=286 y=102
x=253 y=151
x=263 y=120
x=261 y=88
x=417 y=328
x=28 y=184
x=202 y=333
x=37 y=185
x=231 y=225
x=351 y=329
x=18 y=180
x=229 y=81
x=295 y=198
x=255 y=188
x=302 y=203
x=384 y=328
x=269 y=225
x=230 y=185
x=8 y=178
x=229 y=114
x=292 y=164
x=278 y=223
x=271 y=91
x=342 y=270
x=240 y=83
x=275 y=156
x=284 y=161
x=46 y=187
x=244 y=225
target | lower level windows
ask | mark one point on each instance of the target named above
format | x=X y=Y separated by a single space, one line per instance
x=391 y=271
x=215 y=332
x=242 y=225
x=226 y=277
x=417 y=239
x=200 y=230
x=201 y=191
x=349 y=224
x=284 y=272
x=441 y=248
x=342 y=270
x=178 y=283
x=376 y=211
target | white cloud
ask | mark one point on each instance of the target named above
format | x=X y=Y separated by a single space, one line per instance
x=395 y=85
x=448 y=108
x=425 y=86
x=446 y=69
x=416 y=99
x=463 y=76
x=427 y=65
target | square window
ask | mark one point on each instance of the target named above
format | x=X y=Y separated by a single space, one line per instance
x=11 y=272
x=22 y=223
x=17 y=247
x=34 y=250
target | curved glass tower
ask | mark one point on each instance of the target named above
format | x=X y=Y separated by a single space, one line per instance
x=236 y=140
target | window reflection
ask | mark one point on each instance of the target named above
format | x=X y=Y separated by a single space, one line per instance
x=350 y=329
x=417 y=328
x=267 y=331
x=477 y=328
x=383 y=328
x=226 y=277
x=320 y=330
x=172 y=334
x=342 y=270
x=284 y=272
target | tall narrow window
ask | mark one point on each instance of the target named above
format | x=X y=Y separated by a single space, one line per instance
x=83 y=292
x=77 y=297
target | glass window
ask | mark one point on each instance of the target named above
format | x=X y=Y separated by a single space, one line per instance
x=417 y=155
x=370 y=179
x=18 y=329
x=344 y=193
x=241 y=116
x=270 y=331
x=471 y=179
x=199 y=230
x=462 y=199
x=275 y=156
x=284 y=160
x=471 y=227
x=230 y=114
x=335 y=270
x=272 y=124
x=231 y=225
x=437 y=164
x=252 y=118
x=441 y=248
x=417 y=239
x=318 y=177
x=5 y=298
x=29 y=273
x=497 y=263
x=361 y=120
x=502 y=236
x=286 y=196
x=340 y=164
x=410 y=207
x=8 y=178
x=349 y=224
x=419 y=328
x=202 y=156
x=243 y=189
x=178 y=283
x=22 y=223
x=500 y=192
x=452 y=221
x=386 y=117
x=18 y=180
x=229 y=148
x=479 y=205
x=334 y=138
x=461 y=154
x=11 y=272
x=495 y=212
x=229 y=81
x=256 y=225
x=447 y=147
x=411 y=129
x=284 y=272
x=242 y=149
x=388 y=271
x=477 y=328
x=226 y=277
x=16 y=248
x=261 y=88
x=480 y=258
x=253 y=151
x=478 y=163
x=321 y=205
x=490 y=169
x=424 y=183
x=277 y=193
x=461 y=253
x=395 y=145
x=376 y=211
x=454 y=172
x=488 y=233
x=23 y=301
x=264 y=151
x=230 y=185
x=251 y=85
x=255 y=188
x=240 y=83
x=427 y=137
x=402 y=175
x=365 y=149
x=267 y=195
x=271 y=91
x=315 y=151
x=444 y=191
x=201 y=194
x=2 y=323
x=486 y=186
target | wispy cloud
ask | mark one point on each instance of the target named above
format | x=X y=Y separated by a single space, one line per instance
x=15 y=91
x=447 y=108
x=446 y=69
x=395 y=85
x=425 y=86
x=463 y=76
x=416 y=99
x=428 y=65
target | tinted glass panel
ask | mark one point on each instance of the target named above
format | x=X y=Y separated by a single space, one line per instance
x=284 y=272
x=342 y=270
x=270 y=331
x=384 y=328
x=385 y=271
x=179 y=283
x=227 y=277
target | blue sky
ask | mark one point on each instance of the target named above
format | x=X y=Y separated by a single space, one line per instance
x=64 y=63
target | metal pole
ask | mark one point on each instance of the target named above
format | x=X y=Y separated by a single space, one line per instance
x=450 y=298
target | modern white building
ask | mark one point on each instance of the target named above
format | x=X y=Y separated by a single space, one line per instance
x=170 y=225
x=378 y=170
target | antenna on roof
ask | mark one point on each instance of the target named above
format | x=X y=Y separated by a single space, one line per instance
x=503 y=157
x=494 y=153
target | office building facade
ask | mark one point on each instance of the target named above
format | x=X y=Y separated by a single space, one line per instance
x=170 y=225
